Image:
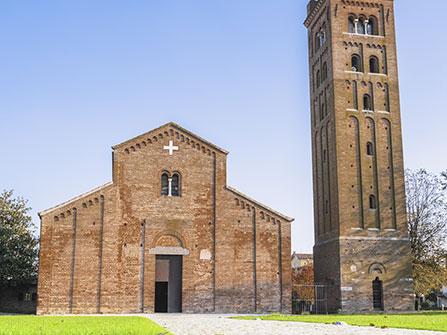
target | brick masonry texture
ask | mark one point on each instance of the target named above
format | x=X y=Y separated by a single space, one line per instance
x=98 y=250
x=356 y=242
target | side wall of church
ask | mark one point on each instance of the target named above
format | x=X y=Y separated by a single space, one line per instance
x=253 y=268
x=70 y=249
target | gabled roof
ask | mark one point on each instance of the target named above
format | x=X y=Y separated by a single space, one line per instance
x=302 y=256
x=266 y=208
x=177 y=127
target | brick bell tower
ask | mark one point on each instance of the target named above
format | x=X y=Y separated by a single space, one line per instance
x=362 y=250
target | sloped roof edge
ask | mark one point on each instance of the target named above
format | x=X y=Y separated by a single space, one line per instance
x=176 y=126
x=233 y=190
x=49 y=210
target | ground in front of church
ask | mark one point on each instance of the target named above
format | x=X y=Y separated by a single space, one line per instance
x=212 y=324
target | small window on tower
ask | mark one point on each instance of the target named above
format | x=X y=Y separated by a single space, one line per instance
x=323 y=36
x=367 y=106
x=317 y=42
x=373 y=64
x=318 y=78
x=356 y=64
x=372 y=202
x=324 y=71
x=369 y=149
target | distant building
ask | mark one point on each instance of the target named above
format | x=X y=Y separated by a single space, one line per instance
x=300 y=260
x=442 y=297
x=19 y=299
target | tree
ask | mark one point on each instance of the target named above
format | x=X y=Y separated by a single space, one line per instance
x=302 y=288
x=18 y=246
x=444 y=181
x=427 y=227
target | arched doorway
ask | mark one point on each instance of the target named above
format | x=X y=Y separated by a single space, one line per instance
x=377 y=286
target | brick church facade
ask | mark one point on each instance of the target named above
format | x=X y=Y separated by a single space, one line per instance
x=167 y=234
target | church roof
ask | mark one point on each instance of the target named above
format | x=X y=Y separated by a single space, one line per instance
x=177 y=127
x=266 y=208
x=49 y=210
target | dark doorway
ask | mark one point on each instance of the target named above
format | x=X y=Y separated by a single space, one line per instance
x=377 y=294
x=168 y=284
x=161 y=297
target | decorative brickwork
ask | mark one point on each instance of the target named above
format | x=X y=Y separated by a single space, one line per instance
x=359 y=194
x=98 y=251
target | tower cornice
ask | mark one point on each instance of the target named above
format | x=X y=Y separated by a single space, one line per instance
x=312 y=8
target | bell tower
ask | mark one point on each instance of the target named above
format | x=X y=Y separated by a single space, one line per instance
x=362 y=250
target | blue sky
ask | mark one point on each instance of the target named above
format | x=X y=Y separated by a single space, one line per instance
x=77 y=77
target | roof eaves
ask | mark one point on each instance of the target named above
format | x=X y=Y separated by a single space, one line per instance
x=176 y=126
x=49 y=210
x=233 y=190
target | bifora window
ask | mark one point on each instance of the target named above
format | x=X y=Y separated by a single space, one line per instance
x=171 y=185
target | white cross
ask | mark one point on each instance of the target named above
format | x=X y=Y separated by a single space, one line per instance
x=170 y=147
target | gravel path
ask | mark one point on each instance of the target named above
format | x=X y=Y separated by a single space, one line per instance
x=212 y=324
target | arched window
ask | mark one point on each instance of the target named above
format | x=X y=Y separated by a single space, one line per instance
x=351 y=24
x=164 y=184
x=377 y=286
x=317 y=41
x=323 y=35
x=354 y=93
x=175 y=185
x=387 y=98
x=373 y=64
x=361 y=26
x=367 y=106
x=372 y=28
x=369 y=149
x=318 y=78
x=372 y=202
x=324 y=71
x=356 y=64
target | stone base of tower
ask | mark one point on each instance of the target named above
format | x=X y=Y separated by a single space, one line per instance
x=365 y=274
x=327 y=273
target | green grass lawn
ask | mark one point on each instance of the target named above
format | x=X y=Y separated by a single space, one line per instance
x=78 y=325
x=422 y=321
